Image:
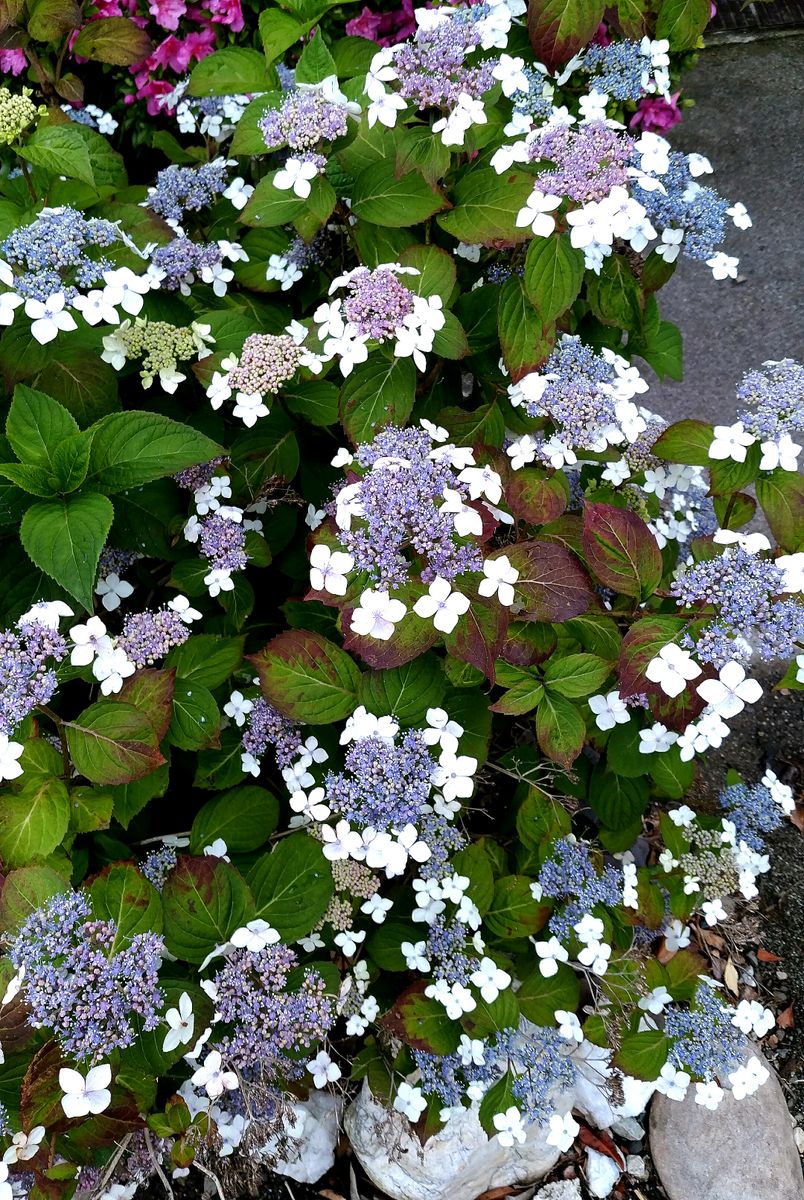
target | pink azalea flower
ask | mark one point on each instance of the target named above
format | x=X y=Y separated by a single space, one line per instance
x=167 y=13
x=227 y=12
x=655 y=114
x=12 y=62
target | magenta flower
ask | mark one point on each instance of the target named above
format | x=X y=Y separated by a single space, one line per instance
x=655 y=114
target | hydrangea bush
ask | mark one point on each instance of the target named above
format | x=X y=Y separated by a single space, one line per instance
x=363 y=622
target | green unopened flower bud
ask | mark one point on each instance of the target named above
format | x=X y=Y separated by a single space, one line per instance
x=17 y=112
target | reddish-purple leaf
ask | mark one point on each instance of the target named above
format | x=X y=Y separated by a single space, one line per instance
x=621 y=551
x=560 y=28
x=552 y=583
x=536 y=497
x=479 y=636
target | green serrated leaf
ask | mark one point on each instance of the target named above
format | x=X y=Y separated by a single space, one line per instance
x=65 y=538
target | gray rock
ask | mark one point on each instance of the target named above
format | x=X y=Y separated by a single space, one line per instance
x=745 y=1150
x=460 y=1161
x=628 y=1128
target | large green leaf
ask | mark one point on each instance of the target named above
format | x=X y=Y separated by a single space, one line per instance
x=61 y=150
x=132 y=448
x=524 y=341
x=781 y=495
x=513 y=912
x=204 y=900
x=37 y=425
x=33 y=821
x=421 y=1022
x=553 y=275
x=682 y=22
x=307 y=677
x=114 y=40
x=112 y=742
x=560 y=729
x=232 y=69
x=486 y=206
x=65 y=538
x=292 y=886
x=377 y=393
x=245 y=817
x=540 y=998
x=382 y=198
x=407 y=691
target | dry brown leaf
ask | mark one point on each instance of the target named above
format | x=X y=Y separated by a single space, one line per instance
x=785 y=1019
x=328 y=1194
x=712 y=939
x=499 y=1193
x=663 y=955
x=797 y=817
x=599 y=1140
x=731 y=978
x=766 y=956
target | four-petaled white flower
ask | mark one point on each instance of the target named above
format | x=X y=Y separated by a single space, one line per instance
x=709 y=1094
x=85 y=1095
x=723 y=266
x=752 y=1017
x=454 y=775
x=111 y=667
x=125 y=290
x=500 y=577
x=731 y=441
x=415 y=955
x=550 y=953
x=181 y=1021
x=441 y=731
x=112 y=590
x=537 y=213
x=184 y=609
x=729 y=694
x=609 y=710
x=569 y=1027
x=24 y=1146
x=656 y=739
x=748 y=1078
x=442 y=604
x=323 y=1069
x=410 y=1101
x=509 y=1126
x=238 y=707
x=254 y=936
x=49 y=317
x=490 y=979
x=672 y=669
x=563 y=1131
x=212 y=1078
x=296 y=175
x=329 y=569
x=739 y=215
x=377 y=615
x=656 y=1000
x=782 y=453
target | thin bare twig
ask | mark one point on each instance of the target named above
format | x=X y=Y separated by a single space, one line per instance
x=211 y=1175
x=158 y=1166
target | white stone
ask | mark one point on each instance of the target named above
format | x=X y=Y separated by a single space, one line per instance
x=602 y=1173
x=562 y=1189
x=310 y=1151
x=636 y=1167
x=591 y=1091
x=458 y=1161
